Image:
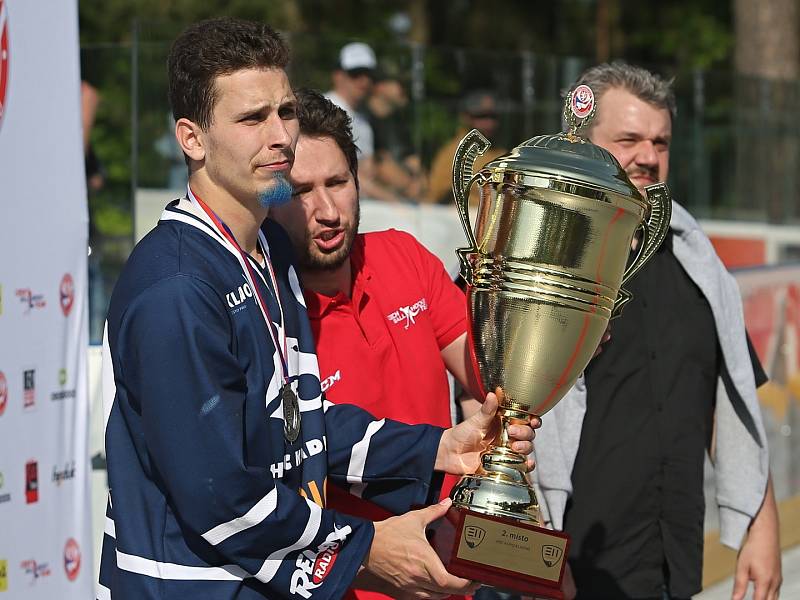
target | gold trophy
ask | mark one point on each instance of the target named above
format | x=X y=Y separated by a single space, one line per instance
x=544 y=269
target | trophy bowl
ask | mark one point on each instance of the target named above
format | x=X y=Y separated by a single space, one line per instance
x=545 y=265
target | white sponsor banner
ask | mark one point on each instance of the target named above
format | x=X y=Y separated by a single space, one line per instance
x=45 y=543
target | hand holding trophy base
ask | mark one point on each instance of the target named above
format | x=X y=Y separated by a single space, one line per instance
x=505 y=547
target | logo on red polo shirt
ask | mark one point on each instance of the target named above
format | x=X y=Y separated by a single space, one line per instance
x=328 y=382
x=406 y=315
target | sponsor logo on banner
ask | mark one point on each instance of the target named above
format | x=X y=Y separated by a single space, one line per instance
x=4 y=58
x=3 y=393
x=29 y=389
x=72 y=559
x=406 y=314
x=62 y=394
x=35 y=570
x=66 y=294
x=31 y=482
x=4 y=496
x=3 y=575
x=30 y=300
x=65 y=474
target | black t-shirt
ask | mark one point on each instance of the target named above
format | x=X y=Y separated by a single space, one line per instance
x=636 y=514
x=392 y=135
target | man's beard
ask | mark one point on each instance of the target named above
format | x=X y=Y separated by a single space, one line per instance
x=311 y=259
x=280 y=192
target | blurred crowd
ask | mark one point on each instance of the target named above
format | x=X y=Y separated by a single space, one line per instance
x=377 y=103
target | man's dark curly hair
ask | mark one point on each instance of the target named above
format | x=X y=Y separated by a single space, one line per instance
x=319 y=117
x=215 y=47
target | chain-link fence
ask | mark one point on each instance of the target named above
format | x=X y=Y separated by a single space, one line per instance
x=734 y=154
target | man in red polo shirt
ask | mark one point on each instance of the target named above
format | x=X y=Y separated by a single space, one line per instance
x=388 y=320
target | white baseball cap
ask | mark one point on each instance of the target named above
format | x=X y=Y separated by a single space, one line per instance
x=357 y=55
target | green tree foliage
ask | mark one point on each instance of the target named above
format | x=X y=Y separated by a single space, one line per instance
x=467 y=44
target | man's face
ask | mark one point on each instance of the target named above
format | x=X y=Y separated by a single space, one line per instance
x=322 y=218
x=638 y=134
x=250 y=143
x=353 y=85
x=484 y=117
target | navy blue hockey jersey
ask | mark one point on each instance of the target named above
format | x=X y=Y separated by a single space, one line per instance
x=208 y=498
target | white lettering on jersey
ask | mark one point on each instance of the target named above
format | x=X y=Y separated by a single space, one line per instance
x=290 y=461
x=236 y=297
x=408 y=313
x=328 y=382
x=314 y=567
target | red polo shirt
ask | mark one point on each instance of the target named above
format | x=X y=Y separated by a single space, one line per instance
x=381 y=347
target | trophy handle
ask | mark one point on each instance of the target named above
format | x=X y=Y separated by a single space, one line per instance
x=469 y=148
x=654 y=230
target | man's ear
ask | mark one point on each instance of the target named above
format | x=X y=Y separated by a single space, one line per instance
x=190 y=139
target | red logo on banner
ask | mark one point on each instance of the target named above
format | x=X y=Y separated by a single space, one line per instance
x=3 y=58
x=31 y=482
x=66 y=293
x=3 y=393
x=72 y=559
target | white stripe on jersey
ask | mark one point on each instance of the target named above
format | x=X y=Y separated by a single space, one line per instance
x=262 y=509
x=101 y=592
x=110 y=528
x=358 y=458
x=169 y=215
x=108 y=388
x=294 y=283
x=275 y=560
x=302 y=363
x=162 y=570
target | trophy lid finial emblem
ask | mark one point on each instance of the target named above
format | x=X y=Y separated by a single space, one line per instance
x=579 y=109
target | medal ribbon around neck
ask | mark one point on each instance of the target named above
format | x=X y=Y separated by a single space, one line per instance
x=292 y=416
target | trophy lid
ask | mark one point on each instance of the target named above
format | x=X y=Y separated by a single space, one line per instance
x=569 y=156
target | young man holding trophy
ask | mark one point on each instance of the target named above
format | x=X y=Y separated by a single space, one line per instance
x=220 y=446
x=677 y=378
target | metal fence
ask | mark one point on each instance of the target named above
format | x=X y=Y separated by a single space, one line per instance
x=735 y=148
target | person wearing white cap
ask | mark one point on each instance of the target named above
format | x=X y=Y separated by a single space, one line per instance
x=352 y=82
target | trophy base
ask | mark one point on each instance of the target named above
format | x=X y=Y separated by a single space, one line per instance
x=505 y=553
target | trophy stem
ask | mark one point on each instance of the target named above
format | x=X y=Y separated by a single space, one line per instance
x=499 y=460
x=500 y=485
x=510 y=416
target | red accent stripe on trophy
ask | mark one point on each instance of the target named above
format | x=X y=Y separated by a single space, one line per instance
x=563 y=377
x=611 y=224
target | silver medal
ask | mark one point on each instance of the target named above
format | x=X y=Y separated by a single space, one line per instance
x=291 y=413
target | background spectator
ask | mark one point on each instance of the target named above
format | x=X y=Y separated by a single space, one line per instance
x=478 y=111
